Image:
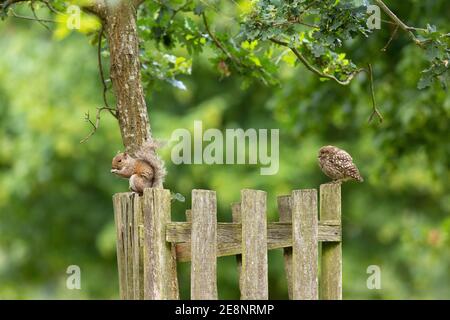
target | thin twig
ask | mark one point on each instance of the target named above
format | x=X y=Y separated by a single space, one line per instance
x=176 y=11
x=400 y=23
x=102 y=75
x=312 y=68
x=305 y=9
x=95 y=125
x=218 y=43
x=8 y=3
x=375 y=111
x=388 y=22
x=18 y=16
x=50 y=7
x=308 y=24
x=391 y=38
x=294 y=21
x=392 y=15
x=36 y=16
x=112 y=111
x=328 y=76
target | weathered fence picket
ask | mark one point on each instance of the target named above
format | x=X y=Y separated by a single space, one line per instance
x=254 y=245
x=160 y=273
x=123 y=208
x=331 y=263
x=236 y=215
x=284 y=210
x=203 y=245
x=149 y=244
x=138 y=248
x=304 y=245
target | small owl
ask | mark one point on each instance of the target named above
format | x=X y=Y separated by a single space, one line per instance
x=338 y=164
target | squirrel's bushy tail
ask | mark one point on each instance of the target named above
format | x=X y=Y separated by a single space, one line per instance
x=147 y=152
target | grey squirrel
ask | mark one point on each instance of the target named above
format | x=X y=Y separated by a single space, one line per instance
x=144 y=169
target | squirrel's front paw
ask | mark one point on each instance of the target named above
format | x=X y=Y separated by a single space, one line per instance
x=114 y=170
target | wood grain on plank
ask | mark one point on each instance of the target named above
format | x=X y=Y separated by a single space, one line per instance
x=254 y=283
x=160 y=273
x=284 y=209
x=305 y=244
x=203 y=245
x=331 y=260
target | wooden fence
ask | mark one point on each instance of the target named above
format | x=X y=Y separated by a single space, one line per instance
x=149 y=244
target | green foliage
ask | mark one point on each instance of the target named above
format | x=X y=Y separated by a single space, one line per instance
x=318 y=29
x=437 y=48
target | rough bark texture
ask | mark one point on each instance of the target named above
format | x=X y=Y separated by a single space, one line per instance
x=121 y=30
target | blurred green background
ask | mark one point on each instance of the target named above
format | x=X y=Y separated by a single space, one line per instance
x=55 y=194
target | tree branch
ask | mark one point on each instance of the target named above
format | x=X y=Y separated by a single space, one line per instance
x=295 y=21
x=375 y=111
x=312 y=68
x=218 y=43
x=121 y=31
x=50 y=6
x=96 y=7
x=7 y=3
x=36 y=16
x=18 y=16
x=400 y=23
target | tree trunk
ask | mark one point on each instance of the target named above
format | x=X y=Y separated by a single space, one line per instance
x=121 y=30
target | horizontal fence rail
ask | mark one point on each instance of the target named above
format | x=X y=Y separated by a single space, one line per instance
x=229 y=236
x=149 y=244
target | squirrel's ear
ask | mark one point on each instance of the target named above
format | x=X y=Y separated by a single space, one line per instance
x=125 y=154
